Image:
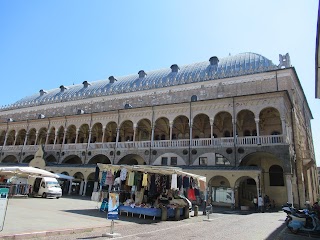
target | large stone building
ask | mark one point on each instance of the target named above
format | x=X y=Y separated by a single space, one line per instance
x=241 y=121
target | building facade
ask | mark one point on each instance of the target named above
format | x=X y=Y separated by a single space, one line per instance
x=241 y=121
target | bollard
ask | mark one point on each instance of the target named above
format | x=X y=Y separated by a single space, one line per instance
x=186 y=212
x=195 y=211
x=177 y=214
x=164 y=214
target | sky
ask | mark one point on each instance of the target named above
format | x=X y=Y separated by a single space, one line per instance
x=45 y=44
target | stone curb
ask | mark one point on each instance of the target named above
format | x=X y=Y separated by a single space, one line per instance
x=50 y=233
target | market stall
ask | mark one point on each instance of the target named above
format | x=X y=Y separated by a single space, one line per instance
x=156 y=191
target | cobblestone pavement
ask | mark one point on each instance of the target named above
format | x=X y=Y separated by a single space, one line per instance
x=80 y=218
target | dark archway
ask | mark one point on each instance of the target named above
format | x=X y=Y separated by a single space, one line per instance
x=72 y=159
x=100 y=158
x=132 y=159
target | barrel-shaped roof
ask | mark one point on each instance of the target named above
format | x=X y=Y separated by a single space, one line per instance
x=231 y=66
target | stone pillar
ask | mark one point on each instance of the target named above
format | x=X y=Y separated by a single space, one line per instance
x=258 y=130
x=37 y=134
x=117 y=138
x=81 y=188
x=85 y=188
x=25 y=139
x=89 y=139
x=47 y=137
x=5 y=139
x=103 y=134
x=70 y=187
x=152 y=136
x=211 y=130
x=289 y=188
x=15 y=138
x=190 y=137
x=170 y=125
x=55 y=137
x=64 y=136
x=134 y=131
x=77 y=133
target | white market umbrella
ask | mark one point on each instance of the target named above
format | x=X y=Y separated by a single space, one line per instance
x=26 y=172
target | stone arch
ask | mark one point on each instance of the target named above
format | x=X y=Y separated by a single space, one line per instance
x=246 y=188
x=222 y=125
x=42 y=136
x=51 y=159
x=60 y=135
x=83 y=133
x=10 y=159
x=270 y=121
x=96 y=133
x=99 y=158
x=51 y=136
x=110 y=132
x=201 y=127
x=11 y=137
x=28 y=158
x=143 y=130
x=32 y=136
x=2 y=137
x=72 y=159
x=162 y=129
x=276 y=177
x=181 y=128
x=126 y=131
x=220 y=191
x=132 y=159
x=21 y=137
x=71 y=134
x=76 y=183
x=245 y=122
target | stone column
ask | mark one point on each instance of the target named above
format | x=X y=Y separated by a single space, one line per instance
x=103 y=134
x=89 y=139
x=85 y=188
x=152 y=136
x=289 y=188
x=81 y=188
x=258 y=130
x=25 y=139
x=5 y=139
x=190 y=137
x=77 y=133
x=134 y=131
x=64 y=136
x=211 y=130
x=15 y=138
x=47 y=137
x=70 y=187
x=117 y=138
x=170 y=125
x=37 y=134
x=55 y=137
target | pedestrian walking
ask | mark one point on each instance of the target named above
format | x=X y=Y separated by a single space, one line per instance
x=255 y=203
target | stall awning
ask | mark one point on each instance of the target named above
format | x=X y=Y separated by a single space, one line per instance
x=165 y=170
x=25 y=172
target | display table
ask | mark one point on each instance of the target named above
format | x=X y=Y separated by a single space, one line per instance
x=153 y=212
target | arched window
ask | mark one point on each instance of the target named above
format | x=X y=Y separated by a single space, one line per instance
x=276 y=175
x=226 y=134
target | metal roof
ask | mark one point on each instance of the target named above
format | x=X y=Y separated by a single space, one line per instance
x=231 y=66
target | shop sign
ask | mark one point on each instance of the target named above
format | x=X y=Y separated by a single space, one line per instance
x=113 y=206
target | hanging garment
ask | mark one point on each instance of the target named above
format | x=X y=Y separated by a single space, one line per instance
x=138 y=180
x=131 y=179
x=158 y=183
x=163 y=183
x=191 y=195
x=174 y=183
x=103 y=178
x=123 y=174
x=196 y=192
x=186 y=182
x=153 y=186
x=109 y=179
x=145 y=180
x=179 y=182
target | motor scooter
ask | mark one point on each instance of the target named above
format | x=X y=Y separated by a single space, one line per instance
x=310 y=223
x=293 y=213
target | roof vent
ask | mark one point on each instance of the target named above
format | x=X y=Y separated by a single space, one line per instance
x=142 y=74
x=42 y=92
x=86 y=84
x=112 y=79
x=214 y=61
x=41 y=116
x=62 y=88
x=174 y=68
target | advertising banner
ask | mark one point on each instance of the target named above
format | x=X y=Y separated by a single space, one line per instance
x=3 y=205
x=113 y=206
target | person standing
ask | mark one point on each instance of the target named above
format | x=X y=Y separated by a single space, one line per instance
x=260 y=204
x=255 y=203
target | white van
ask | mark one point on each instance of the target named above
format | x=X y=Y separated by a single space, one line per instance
x=45 y=187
